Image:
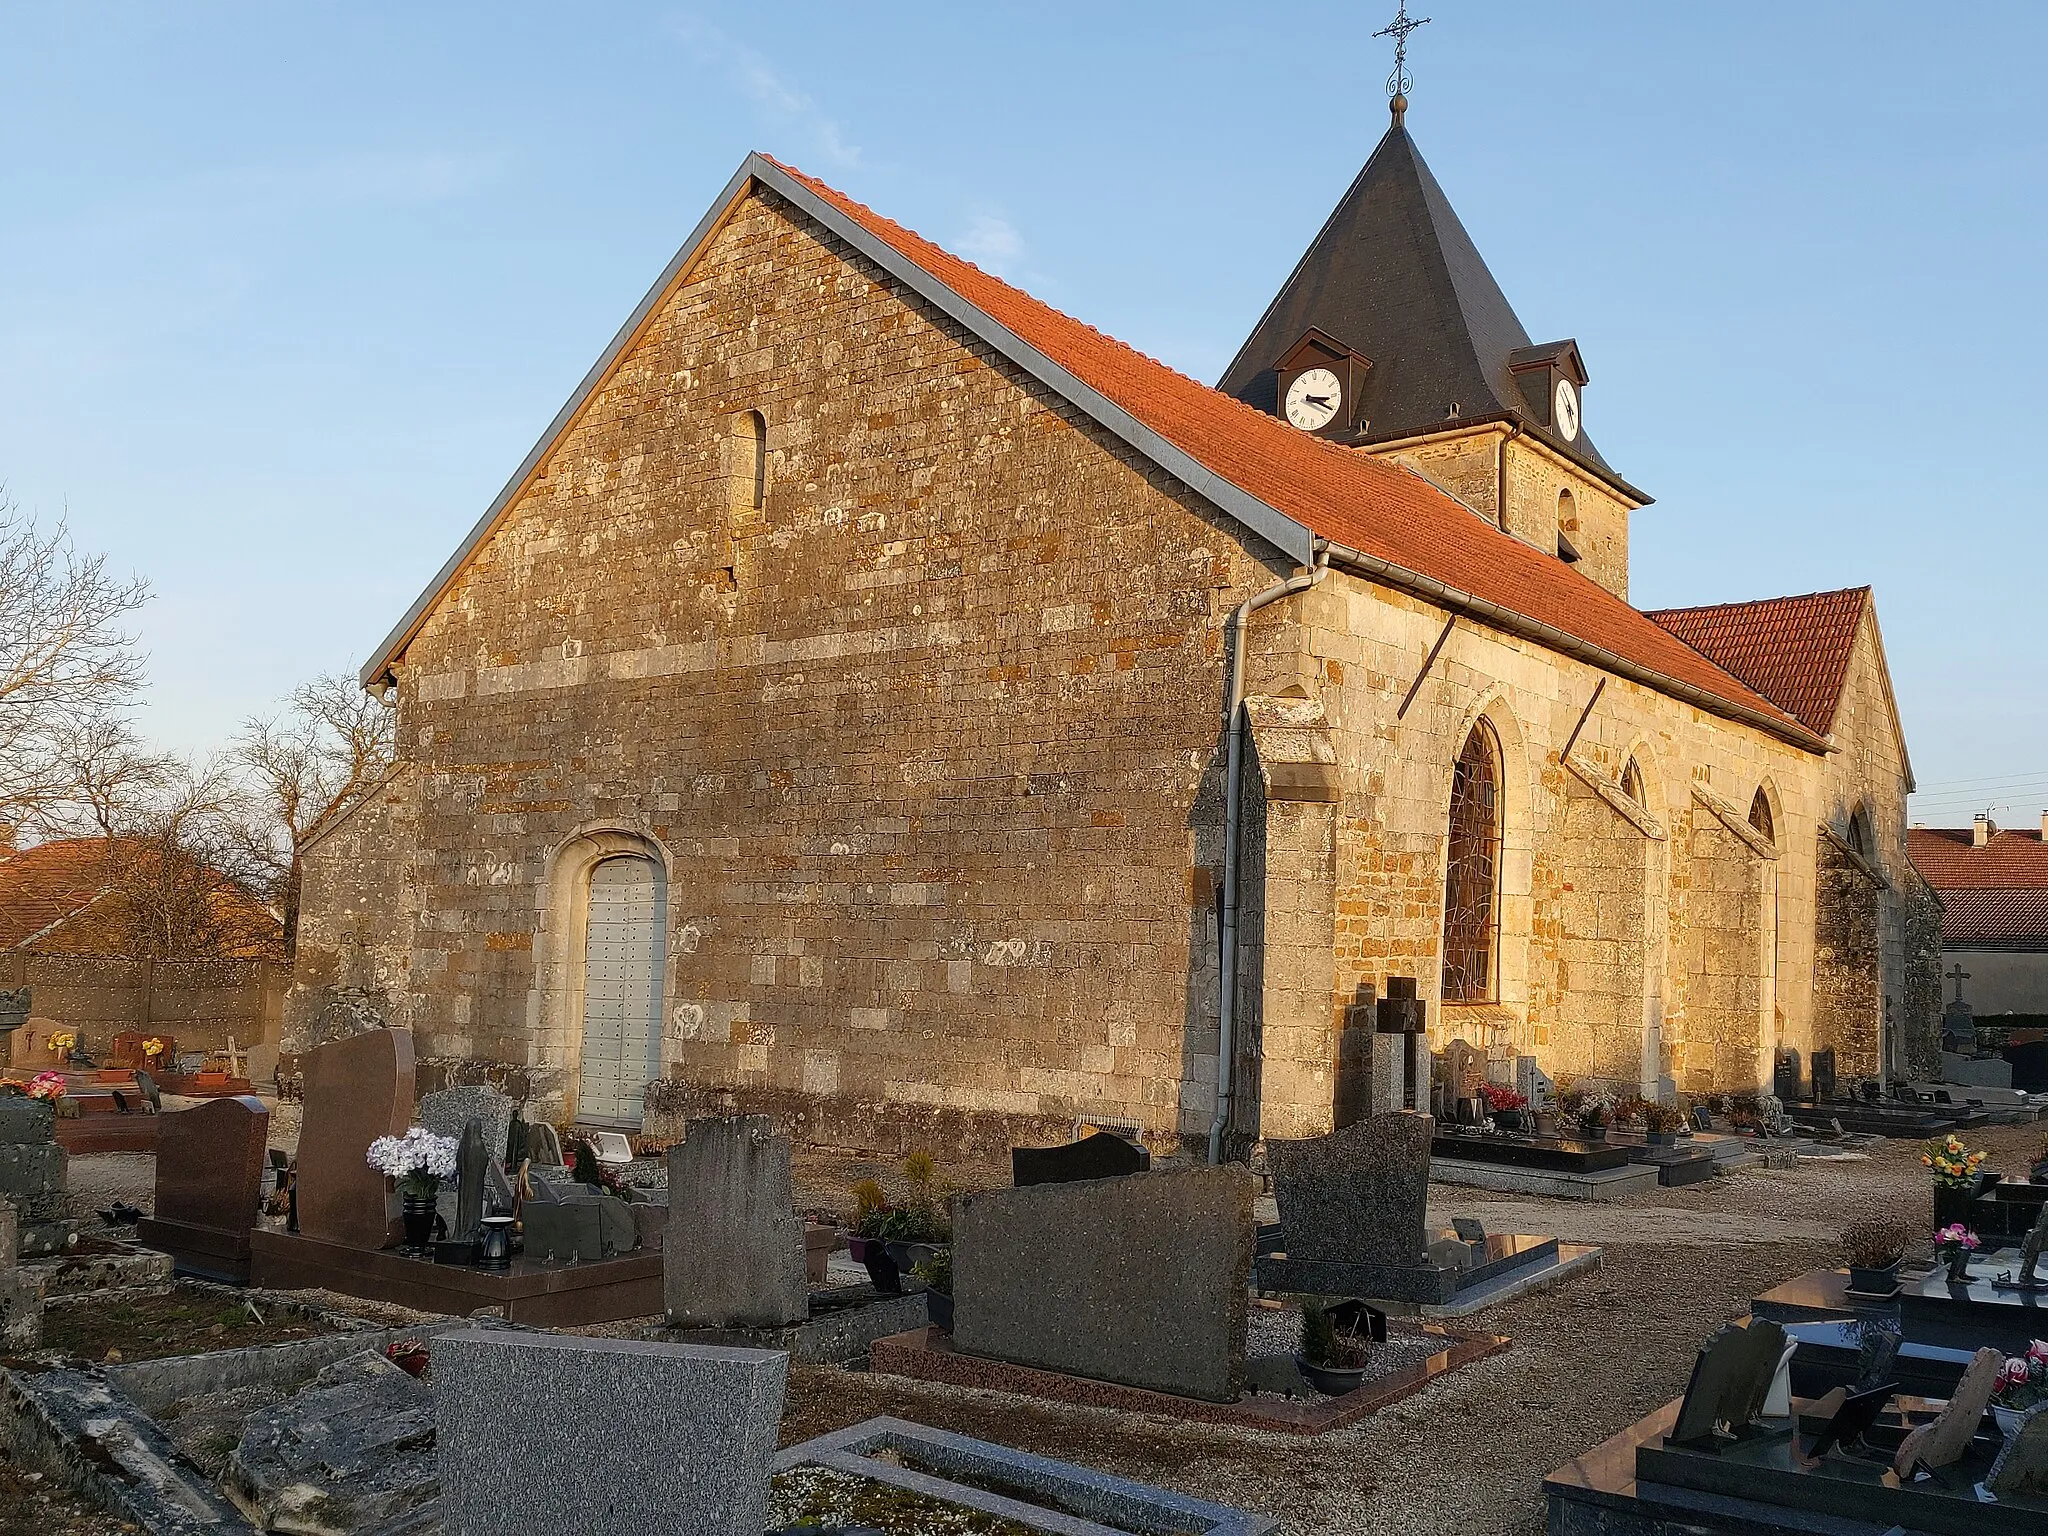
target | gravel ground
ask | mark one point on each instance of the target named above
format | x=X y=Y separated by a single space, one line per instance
x=1470 y=1451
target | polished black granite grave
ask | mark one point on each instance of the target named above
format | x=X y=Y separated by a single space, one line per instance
x=1820 y=1295
x=1830 y=1355
x=1636 y=1485
x=1677 y=1165
x=1423 y=1283
x=1985 y=1311
x=1524 y=1151
x=1899 y=1121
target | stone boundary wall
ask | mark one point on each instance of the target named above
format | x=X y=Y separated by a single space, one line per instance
x=198 y=1002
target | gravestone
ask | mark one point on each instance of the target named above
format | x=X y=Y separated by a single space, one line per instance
x=543 y=1146
x=357 y=1089
x=691 y=1456
x=1097 y=1156
x=1534 y=1084
x=2022 y=1464
x=515 y=1140
x=448 y=1111
x=1136 y=1280
x=733 y=1256
x=1731 y=1379
x=567 y=1221
x=1959 y=1029
x=351 y=1450
x=209 y=1184
x=1785 y=1075
x=14 y=1007
x=1702 y=1119
x=34 y=1175
x=21 y=1291
x=471 y=1164
x=1359 y=1195
x=1943 y=1442
x=1821 y=1064
x=1464 y=1069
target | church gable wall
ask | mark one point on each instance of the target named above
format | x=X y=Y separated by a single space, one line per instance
x=928 y=742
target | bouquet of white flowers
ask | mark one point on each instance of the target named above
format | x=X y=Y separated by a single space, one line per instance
x=419 y=1160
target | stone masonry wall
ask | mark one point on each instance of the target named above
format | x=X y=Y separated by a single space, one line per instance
x=928 y=745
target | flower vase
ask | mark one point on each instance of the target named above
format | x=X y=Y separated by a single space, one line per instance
x=417 y=1213
x=1959 y=1267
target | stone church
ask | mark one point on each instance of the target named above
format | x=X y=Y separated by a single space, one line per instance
x=885 y=702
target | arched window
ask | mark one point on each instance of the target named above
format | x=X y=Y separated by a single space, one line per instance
x=1567 y=513
x=1860 y=836
x=1760 y=815
x=1472 y=870
x=749 y=463
x=1632 y=781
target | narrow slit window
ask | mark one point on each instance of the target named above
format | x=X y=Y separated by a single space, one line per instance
x=1760 y=816
x=748 y=467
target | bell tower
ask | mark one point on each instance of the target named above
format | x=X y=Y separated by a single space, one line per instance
x=1410 y=351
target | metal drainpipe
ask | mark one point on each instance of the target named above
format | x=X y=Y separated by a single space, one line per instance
x=1226 y=1019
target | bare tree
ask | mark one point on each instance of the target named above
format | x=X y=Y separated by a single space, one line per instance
x=66 y=664
x=327 y=748
x=114 y=777
x=181 y=883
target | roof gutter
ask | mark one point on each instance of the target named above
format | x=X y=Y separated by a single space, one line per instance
x=1548 y=635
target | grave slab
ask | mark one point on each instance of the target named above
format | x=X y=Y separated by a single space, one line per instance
x=1606 y=1184
x=210 y=1163
x=356 y=1090
x=1139 y=1280
x=733 y=1253
x=692 y=1458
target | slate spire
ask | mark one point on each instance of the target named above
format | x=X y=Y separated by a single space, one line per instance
x=1394 y=276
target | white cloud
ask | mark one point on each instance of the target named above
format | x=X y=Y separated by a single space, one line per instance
x=758 y=80
x=992 y=243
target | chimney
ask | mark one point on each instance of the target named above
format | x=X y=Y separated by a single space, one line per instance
x=2044 y=826
x=1981 y=829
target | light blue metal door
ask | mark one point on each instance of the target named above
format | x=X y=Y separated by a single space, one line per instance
x=622 y=990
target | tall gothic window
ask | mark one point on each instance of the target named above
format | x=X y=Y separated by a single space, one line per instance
x=1632 y=781
x=1472 y=871
x=1760 y=816
x=1860 y=837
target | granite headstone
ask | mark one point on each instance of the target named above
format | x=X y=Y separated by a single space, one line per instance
x=692 y=1457
x=1464 y=1069
x=1097 y=1156
x=1534 y=1084
x=35 y=1175
x=356 y=1089
x=1139 y=1280
x=733 y=1256
x=447 y=1111
x=543 y=1146
x=21 y=1290
x=1821 y=1067
x=1359 y=1195
x=210 y=1161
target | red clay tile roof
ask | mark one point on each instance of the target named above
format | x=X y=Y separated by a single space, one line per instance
x=2013 y=860
x=1341 y=494
x=1995 y=917
x=47 y=884
x=57 y=897
x=1792 y=650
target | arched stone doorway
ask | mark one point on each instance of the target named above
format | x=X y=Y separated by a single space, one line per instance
x=600 y=973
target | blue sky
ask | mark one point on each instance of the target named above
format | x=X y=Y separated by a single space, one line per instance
x=287 y=290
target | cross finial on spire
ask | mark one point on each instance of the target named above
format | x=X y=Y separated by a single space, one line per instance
x=1398 y=82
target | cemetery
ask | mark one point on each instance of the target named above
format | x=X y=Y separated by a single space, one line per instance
x=311 y=1316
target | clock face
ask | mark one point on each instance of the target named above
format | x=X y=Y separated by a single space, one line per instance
x=1313 y=398
x=1565 y=410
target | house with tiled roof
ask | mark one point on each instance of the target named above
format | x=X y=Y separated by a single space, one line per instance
x=1993 y=883
x=883 y=701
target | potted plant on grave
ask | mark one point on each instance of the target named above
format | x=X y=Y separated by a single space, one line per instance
x=936 y=1271
x=1333 y=1360
x=1957 y=1178
x=886 y=1237
x=1874 y=1250
x=2022 y=1384
x=417 y=1161
x=62 y=1043
x=48 y=1086
x=584 y=1168
x=1953 y=1245
x=1662 y=1123
x=1504 y=1104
